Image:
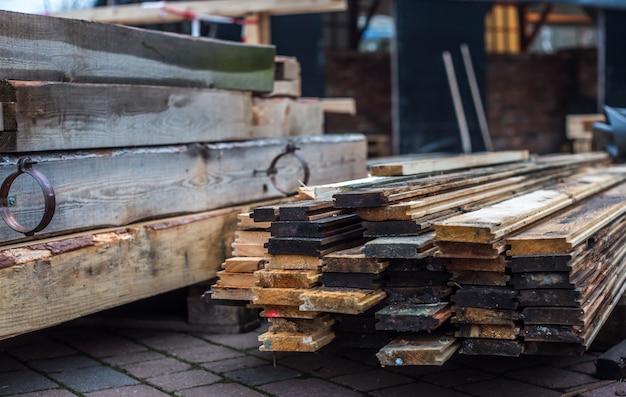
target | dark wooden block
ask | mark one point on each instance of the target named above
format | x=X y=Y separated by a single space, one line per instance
x=553 y=315
x=418 y=294
x=316 y=228
x=486 y=297
x=407 y=317
x=491 y=347
x=550 y=297
x=392 y=228
x=353 y=280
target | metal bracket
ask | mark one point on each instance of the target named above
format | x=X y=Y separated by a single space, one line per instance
x=272 y=172
x=25 y=166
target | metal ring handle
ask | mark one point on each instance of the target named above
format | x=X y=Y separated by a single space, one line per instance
x=272 y=172
x=25 y=166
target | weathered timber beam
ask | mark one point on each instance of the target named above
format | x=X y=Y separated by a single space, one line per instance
x=44 y=48
x=57 y=280
x=120 y=186
x=139 y=14
x=46 y=116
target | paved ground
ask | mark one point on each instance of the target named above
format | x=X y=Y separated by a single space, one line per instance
x=99 y=362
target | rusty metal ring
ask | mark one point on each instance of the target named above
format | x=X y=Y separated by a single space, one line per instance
x=25 y=166
x=272 y=172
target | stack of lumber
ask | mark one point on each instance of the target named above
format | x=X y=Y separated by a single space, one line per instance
x=153 y=143
x=569 y=273
x=480 y=255
x=579 y=129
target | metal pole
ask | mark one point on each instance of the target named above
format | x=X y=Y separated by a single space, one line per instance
x=458 y=105
x=478 y=103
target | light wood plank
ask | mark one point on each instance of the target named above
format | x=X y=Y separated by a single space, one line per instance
x=448 y=163
x=43 y=48
x=340 y=300
x=422 y=349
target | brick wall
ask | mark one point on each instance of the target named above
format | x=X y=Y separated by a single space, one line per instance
x=528 y=95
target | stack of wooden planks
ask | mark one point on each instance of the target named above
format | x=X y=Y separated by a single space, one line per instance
x=153 y=143
x=496 y=254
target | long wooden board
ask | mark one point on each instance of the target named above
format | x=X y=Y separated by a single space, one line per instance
x=418 y=349
x=340 y=300
x=86 y=273
x=117 y=187
x=46 y=116
x=44 y=48
x=491 y=223
x=448 y=163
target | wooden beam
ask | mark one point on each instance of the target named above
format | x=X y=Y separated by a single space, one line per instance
x=89 y=272
x=121 y=186
x=143 y=14
x=42 y=48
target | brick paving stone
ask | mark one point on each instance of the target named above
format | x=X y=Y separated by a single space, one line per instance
x=133 y=358
x=588 y=368
x=563 y=361
x=9 y=364
x=59 y=364
x=323 y=365
x=171 y=341
x=41 y=351
x=204 y=353
x=363 y=356
x=492 y=364
x=310 y=387
x=245 y=341
x=418 y=389
x=32 y=338
x=128 y=391
x=372 y=380
x=149 y=369
x=417 y=371
x=551 y=377
x=16 y=382
x=184 y=380
x=49 y=393
x=457 y=377
x=506 y=387
x=261 y=375
x=92 y=379
x=106 y=346
x=234 y=363
x=220 y=389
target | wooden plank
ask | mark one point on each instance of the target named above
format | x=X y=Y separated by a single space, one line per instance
x=287 y=278
x=139 y=14
x=561 y=233
x=475 y=277
x=145 y=183
x=487 y=331
x=491 y=347
x=552 y=333
x=64 y=116
x=340 y=300
x=278 y=296
x=408 y=317
x=317 y=228
x=275 y=311
x=431 y=294
x=550 y=297
x=461 y=250
x=58 y=49
x=498 y=264
x=246 y=222
x=412 y=349
x=231 y=294
x=553 y=349
x=90 y=272
x=580 y=126
x=476 y=315
x=414 y=247
x=339 y=105
x=295 y=341
x=243 y=264
x=236 y=279
x=486 y=297
x=353 y=280
x=293 y=262
x=491 y=223
x=287 y=117
x=306 y=210
x=352 y=260
x=315 y=246
x=449 y=163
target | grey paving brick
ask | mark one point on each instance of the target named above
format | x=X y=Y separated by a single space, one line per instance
x=323 y=365
x=245 y=341
x=49 y=393
x=204 y=353
x=92 y=379
x=506 y=387
x=363 y=356
x=40 y=351
x=184 y=380
x=418 y=389
x=132 y=358
x=149 y=369
x=63 y=363
x=372 y=380
x=172 y=341
x=551 y=377
x=588 y=368
x=222 y=390
x=263 y=374
x=16 y=382
x=418 y=371
x=107 y=345
x=563 y=361
x=308 y=388
x=492 y=364
x=234 y=363
x=128 y=391
x=457 y=377
x=9 y=364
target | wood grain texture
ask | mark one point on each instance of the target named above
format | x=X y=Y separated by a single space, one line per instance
x=418 y=349
x=87 y=273
x=57 y=49
x=118 y=187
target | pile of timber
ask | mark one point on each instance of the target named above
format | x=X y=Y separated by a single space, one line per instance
x=497 y=253
x=153 y=143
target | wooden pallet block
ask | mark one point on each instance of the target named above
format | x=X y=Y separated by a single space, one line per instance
x=340 y=300
x=418 y=349
x=430 y=294
x=353 y=280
